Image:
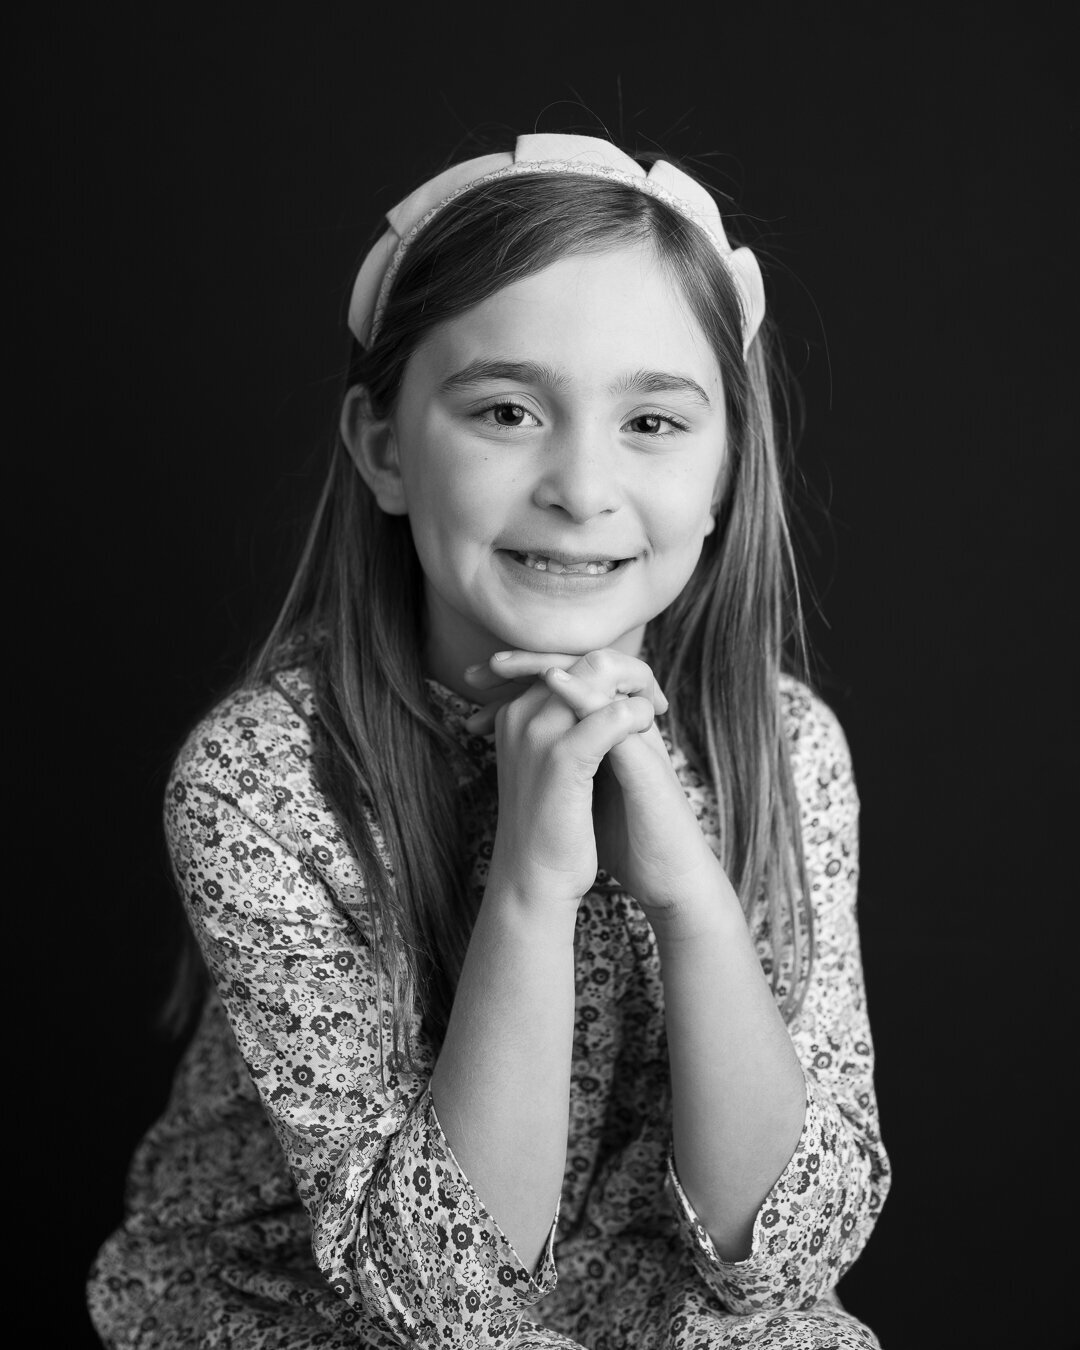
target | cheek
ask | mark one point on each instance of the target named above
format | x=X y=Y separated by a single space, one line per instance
x=680 y=517
x=450 y=506
x=441 y=483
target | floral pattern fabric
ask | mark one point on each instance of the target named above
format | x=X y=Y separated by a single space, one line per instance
x=294 y=1195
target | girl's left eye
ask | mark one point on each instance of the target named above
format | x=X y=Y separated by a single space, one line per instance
x=655 y=424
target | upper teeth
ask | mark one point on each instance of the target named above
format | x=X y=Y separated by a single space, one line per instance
x=542 y=564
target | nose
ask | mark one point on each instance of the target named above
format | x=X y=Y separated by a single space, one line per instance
x=578 y=477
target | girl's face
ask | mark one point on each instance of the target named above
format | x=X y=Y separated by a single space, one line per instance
x=559 y=448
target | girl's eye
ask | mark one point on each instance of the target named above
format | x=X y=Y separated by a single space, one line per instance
x=506 y=414
x=655 y=424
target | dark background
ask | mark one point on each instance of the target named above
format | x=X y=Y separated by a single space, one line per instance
x=192 y=196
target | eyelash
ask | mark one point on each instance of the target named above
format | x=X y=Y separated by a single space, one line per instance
x=675 y=424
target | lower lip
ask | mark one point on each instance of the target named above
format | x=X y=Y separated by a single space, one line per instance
x=561 y=583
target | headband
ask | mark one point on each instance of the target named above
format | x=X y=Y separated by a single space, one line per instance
x=583 y=155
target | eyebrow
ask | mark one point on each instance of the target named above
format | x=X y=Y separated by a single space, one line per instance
x=518 y=372
x=662 y=382
x=534 y=372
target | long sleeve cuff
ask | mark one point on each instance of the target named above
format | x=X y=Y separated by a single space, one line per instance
x=811 y=1225
x=430 y=1259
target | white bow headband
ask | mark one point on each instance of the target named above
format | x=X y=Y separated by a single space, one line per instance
x=584 y=155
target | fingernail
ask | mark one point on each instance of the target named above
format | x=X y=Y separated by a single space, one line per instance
x=501 y=656
x=557 y=674
x=471 y=670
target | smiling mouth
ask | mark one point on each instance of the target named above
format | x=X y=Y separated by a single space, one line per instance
x=587 y=567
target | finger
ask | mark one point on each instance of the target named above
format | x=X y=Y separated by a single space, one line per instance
x=526 y=700
x=482 y=722
x=600 y=732
x=585 y=694
x=638 y=759
x=611 y=671
x=578 y=694
x=628 y=757
x=489 y=675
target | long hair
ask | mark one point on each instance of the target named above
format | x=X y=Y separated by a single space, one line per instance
x=354 y=612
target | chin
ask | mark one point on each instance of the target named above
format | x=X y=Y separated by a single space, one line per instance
x=572 y=639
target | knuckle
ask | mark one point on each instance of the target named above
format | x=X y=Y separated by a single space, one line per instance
x=532 y=735
x=508 y=716
x=599 y=662
x=639 y=712
x=513 y=721
x=609 y=666
x=573 y=760
x=646 y=678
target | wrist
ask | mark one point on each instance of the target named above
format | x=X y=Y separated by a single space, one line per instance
x=529 y=907
x=699 y=916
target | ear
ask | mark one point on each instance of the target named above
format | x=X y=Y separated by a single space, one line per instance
x=372 y=447
x=723 y=480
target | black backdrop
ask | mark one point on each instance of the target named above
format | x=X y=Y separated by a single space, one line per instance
x=192 y=194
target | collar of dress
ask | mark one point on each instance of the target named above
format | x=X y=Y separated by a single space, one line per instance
x=454 y=711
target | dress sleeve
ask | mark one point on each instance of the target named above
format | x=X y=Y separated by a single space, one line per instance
x=276 y=902
x=820 y=1213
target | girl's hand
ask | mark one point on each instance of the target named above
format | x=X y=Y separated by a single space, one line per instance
x=648 y=835
x=548 y=754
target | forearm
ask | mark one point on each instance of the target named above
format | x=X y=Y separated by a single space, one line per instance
x=737 y=1085
x=501 y=1086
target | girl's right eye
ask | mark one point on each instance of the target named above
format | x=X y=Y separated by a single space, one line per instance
x=506 y=414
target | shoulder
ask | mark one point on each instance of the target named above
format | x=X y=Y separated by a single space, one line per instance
x=253 y=747
x=820 y=758
x=813 y=730
x=244 y=784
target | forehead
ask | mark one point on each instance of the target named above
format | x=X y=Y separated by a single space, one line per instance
x=588 y=315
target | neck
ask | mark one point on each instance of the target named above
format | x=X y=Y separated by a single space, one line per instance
x=449 y=647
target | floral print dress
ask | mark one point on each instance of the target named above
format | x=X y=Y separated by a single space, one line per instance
x=293 y=1196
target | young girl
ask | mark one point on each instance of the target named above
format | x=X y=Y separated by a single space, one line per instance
x=524 y=876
